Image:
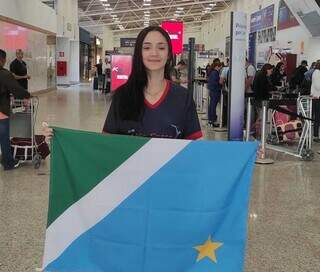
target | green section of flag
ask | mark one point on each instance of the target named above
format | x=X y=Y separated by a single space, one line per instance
x=77 y=166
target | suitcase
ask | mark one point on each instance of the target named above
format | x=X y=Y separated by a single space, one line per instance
x=289 y=131
x=22 y=149
x=95 y=83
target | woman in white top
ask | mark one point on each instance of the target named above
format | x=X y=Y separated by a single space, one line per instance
x=315 y=93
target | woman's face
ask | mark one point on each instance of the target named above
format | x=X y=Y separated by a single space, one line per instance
x=269 y=72
x=155 y=51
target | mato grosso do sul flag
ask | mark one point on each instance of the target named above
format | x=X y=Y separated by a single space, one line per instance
x=130 y=204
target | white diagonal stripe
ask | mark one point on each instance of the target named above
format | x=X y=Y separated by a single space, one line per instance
x=115 y=188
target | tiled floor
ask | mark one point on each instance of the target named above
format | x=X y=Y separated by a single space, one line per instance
x=284 y=224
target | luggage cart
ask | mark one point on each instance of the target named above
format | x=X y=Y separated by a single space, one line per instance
x=22 y=125
x=304 y=148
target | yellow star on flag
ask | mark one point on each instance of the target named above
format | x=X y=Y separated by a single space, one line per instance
x=208 y=250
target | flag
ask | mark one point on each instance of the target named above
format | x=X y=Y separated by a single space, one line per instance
x=131 y=204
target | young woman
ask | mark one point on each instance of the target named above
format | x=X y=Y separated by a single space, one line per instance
x=262 y=86
x=149 y=104
x=278 y=75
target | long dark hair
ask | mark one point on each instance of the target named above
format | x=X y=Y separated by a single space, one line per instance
x=129 y=98
x=278 y=66
x=265 y=68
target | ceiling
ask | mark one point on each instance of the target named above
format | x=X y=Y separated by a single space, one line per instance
x=127 y=15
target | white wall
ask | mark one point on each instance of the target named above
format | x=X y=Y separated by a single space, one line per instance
x=74 y=61
x=313 y=50
x=68 y=39
x=31 y=12
x=68 y=22
x=63 y=45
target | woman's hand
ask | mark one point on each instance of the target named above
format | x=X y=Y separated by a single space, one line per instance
x=47 y=131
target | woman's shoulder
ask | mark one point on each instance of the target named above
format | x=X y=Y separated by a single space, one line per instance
x=177 y=89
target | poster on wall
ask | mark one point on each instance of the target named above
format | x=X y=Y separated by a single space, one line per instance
x=264 y=53
x=120 y=70
x=197 y=47
x=285 y=17
x=252 y=48
x=237 y=77
x=267 y=35
x=175 y=31
x=262 y=19
x=128 y=42
x=227 y=49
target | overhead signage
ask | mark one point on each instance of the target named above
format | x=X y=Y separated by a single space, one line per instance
x=128 y=42
x=285 y=17
x=267 y=35
x=262 y=19
x=175 y=31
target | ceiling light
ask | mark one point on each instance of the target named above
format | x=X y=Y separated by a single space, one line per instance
x=180 y=8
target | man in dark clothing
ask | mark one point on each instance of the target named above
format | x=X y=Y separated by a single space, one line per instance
x=214 y=87
x=19 y=69
x=100 y=75
x=298 y=75
x=8 y=86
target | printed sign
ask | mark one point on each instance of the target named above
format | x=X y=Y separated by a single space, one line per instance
x=267 y=35
x=175 y=31
x=128 y=42
x=237 y=80
x=262 y=19
x=120 y=70
x=285 y=17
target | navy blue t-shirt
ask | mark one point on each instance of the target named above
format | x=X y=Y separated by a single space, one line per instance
x=173 y=116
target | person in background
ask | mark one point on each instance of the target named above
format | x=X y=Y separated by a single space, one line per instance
x=8 y=86
x=214 y=87
x=278 y=75
x=224 y=74
x=307 y=81
x=149 y=104
x=315 y=93
x=19 y=69
x=262 y=86
x=298 y=75
x=224 y=82
x=208 y=69
x=100 y=74
x=179 y=74
x=308 y=74
x=107 y=72
x=250 y=75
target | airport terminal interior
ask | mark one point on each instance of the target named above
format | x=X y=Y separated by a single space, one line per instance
x=73 y=55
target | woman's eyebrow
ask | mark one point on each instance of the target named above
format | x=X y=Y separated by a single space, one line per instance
x=160 y=43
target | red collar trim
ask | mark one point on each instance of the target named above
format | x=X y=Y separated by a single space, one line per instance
x=194 y=136
x=163 y=96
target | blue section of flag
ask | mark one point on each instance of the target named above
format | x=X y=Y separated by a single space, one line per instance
x=201 y=192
